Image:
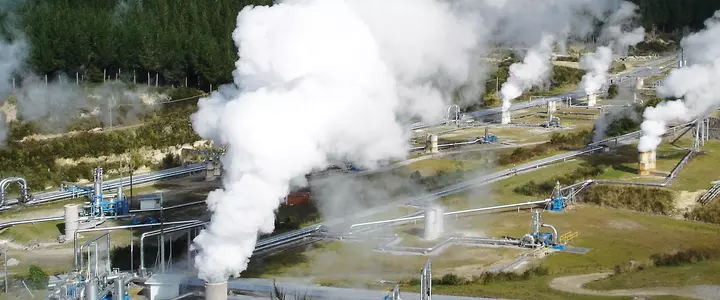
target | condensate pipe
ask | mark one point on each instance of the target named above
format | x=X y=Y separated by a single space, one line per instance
x=156 y=232
x=451 y=213
x=555 y=232
x=75 y=240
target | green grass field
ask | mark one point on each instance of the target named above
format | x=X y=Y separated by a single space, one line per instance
x=701 y=273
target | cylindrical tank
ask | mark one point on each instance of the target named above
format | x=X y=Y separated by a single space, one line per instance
x=209 y=171
x=431 y=145
x=433 y=223
x=120 y=192
x=216 y=291
x=592 y=100
x=644 y=164
x=72 y=213
x=552 y=106
x=119 y=289
x=536 y=221
x=653 y=158
x=91 y=290
x=218 y=170
x=639 y=83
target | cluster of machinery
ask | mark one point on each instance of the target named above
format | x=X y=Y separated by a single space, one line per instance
x=100 y=204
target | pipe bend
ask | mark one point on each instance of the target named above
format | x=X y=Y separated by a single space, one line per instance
x=555 y=232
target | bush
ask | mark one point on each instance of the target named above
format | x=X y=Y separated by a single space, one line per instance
x=37 y=278
x=557 y=142
x=621 y=126
x=681 y=257
x=709 y=213
x=642 y=199
x=568 y=58
x=612 y=91
x=585 y=171
x=485 y=278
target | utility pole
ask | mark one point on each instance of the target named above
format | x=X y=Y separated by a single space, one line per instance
x=6 y=271
x=497 y=85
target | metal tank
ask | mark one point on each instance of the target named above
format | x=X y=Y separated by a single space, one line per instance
x=216 y=291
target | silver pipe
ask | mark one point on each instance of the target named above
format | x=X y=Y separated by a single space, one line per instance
x=555 y=232
x=169 y=207
x=75 y=246
x=451 y=213
x=183 y=296
x=157 y=232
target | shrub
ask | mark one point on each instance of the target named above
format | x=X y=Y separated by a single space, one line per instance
x=709 y=213
x=37 y=278
x=612 y=91
x=681 y=257
x=643 y=199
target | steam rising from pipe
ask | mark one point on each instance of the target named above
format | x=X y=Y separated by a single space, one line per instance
x=599 y=63
x=317 y=81
x=532 y=71
x=698 y=85
x=325 y=80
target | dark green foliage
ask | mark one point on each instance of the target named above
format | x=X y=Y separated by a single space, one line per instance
x=682 y=257
x=178 y=39
x=621 y=126
x=37 y=278
x=568 y=58
x=642 y=199
x=652 y=47
x=277 y=293
x=485 y=278
x=170 y=161
x=557 y=142
x=675 y=15
x=612 y=91
x=565 y=75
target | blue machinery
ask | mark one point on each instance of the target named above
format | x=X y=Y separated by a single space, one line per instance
x=557 y=200
x=100 y=205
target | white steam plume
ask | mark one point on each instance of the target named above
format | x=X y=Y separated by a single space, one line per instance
x=698 y=85
x=13 y=52
x=317 y=81
x=534 y=70
x=598 y=64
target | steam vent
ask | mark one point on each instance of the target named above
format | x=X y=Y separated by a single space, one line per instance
x=505 y=118
x=592 y=100
x=646 y=163
x=433 y=223
x=639 y=83
x=431 y=144
x=216 y=291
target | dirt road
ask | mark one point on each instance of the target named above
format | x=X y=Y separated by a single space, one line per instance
x=574 y=284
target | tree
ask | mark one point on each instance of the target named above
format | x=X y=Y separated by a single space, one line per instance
x=612 y=91
x=37 y=278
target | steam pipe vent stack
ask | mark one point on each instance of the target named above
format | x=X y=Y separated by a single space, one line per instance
x=536 y=222
x=592 y=100
x=216 y=291
x=97 y=183
x=644 y=164
x=639 y=83
x=433 y=223
x=505 y=118
x=72 y=213
x=552 y=106
x=218 y=170
x=487 y=132
x=119 y=285
x=91 y=290
x=209 y=170
x=431 y=145
x=653 y=158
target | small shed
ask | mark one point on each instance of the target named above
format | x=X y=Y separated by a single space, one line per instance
x=149 y=201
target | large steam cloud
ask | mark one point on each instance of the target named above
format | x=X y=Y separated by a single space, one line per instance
x=314 y=83
x=698 y=85
x=534 y=70
x=326 y=80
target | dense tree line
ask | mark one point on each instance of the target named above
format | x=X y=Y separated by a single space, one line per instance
x=192 y=38
x=674 y=16
x=177 y=39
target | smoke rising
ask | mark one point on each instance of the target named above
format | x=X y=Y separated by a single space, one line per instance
x=698 y=85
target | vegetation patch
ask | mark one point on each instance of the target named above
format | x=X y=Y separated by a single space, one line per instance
x=544 y=188
x=642 y=199
x=485 y=278
x=557 y=142
x=709 y=213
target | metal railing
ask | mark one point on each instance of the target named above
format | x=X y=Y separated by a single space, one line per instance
x=567 y=237
x=710 y=195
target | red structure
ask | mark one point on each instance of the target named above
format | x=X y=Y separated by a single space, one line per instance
x=297 y=198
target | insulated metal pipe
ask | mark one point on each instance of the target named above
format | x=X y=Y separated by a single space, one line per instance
x=75 y=245
x=157 y=232
x=555 y=232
